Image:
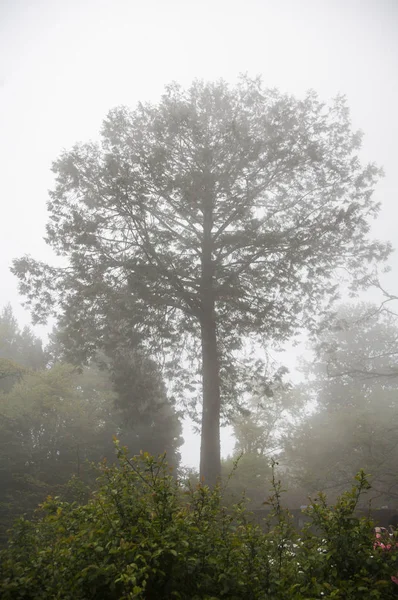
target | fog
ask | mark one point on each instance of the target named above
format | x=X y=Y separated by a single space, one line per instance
x=64 y=65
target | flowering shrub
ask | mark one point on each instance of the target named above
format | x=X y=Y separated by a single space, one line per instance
x=143 y=535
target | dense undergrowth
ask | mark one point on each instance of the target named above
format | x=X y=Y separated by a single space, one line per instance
x=146 y=535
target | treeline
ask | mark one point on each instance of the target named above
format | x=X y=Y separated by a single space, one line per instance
x=341 y=418
x=57 y=418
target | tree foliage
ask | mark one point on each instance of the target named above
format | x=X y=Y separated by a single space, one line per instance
x=8 y=368
x=247 y=474
x=355 y=421
x=54 y=421
x=260 y=434
x=270 y=416
x=362 y=346
x=19 y=350
x=218 y=219
x=45 y=432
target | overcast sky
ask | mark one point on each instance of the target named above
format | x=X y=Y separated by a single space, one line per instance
x=63 y=65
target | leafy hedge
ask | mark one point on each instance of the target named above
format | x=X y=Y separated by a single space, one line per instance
x=144 y=535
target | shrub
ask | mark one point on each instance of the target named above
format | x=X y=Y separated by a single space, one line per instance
x=144 y=535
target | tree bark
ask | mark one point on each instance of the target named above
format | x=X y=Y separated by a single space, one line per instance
x=210 y=450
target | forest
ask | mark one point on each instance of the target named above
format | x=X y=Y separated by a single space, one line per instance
x=57 y=419
x=197 y=239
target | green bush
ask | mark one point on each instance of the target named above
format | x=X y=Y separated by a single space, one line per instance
x=144 y=535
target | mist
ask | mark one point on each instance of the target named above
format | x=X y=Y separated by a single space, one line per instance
x=198 y=231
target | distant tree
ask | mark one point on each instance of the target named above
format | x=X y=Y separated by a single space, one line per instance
x=270 y=415
x=250 y=475
x=330 y=446
x=54 y=423
x=150 y=420
x=46 y=431
x=361 y=345
x=20 y=348
x=146 y=414
x=260 y=437
x=10 y=369
x=218 y=218
x=355 y=423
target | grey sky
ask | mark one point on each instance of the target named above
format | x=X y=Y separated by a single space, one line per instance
x=63 y=65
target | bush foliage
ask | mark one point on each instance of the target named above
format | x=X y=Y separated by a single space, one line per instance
x=146 y=535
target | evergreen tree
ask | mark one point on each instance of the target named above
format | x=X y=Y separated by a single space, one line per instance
x=218 y=218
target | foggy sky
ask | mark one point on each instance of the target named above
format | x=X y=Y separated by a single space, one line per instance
x=63 y=65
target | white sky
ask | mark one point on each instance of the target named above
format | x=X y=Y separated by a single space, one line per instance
x=63 y=65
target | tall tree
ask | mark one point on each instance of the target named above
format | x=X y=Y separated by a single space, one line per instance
x=219 y=216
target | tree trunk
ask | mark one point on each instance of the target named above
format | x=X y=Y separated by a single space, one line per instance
x=210 y=450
